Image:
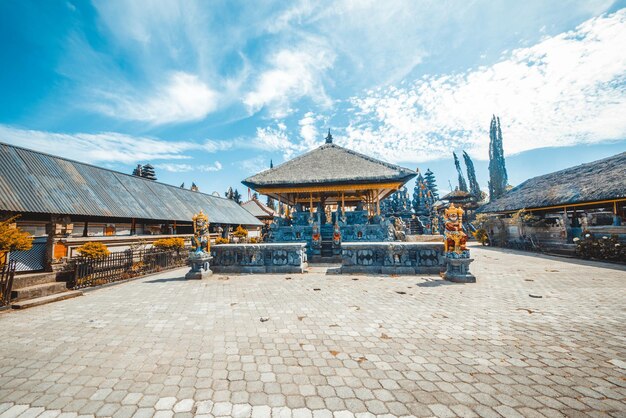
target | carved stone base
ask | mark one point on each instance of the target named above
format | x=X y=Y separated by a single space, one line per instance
x=199 y=266
x=457 y=270
x=198 y=275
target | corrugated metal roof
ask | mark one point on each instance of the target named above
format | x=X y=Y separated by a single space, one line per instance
x=31 y=181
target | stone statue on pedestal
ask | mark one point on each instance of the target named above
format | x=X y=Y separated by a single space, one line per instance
x=200 y=256
x=457 y=255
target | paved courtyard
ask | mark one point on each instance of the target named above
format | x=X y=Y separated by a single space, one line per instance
x=536 y=336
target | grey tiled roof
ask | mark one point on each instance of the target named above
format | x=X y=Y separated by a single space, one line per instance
x=596 y=181
x=330 y=164
x=31 y=181
x=257 y=208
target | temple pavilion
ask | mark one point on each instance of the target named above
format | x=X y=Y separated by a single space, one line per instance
x=330 y=194
x=331 y=176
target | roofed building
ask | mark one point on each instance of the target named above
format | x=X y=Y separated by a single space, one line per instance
x=260 y=211
x=74 y=202
x=562 y=204
x=330 y=194
x=331 y=174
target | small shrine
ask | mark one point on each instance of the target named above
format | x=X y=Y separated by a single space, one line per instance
x=328 y=196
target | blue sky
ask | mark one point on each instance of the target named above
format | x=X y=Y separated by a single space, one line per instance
x=210 y=92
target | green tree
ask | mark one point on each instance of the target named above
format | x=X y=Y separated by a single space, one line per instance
x=498 y=177
x=457 y=164
x=474 y=188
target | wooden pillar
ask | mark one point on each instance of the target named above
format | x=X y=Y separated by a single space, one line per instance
x=343 y=204
x=133 y=224
x=378 y=202
x=311 y=202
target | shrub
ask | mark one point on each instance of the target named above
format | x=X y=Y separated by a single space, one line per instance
x=254 y=240
x=605 y=248
x=93 y=250
x=240 y=232
x=169 y=244
x=13 y=238
x=481 y=235
x=221 y=240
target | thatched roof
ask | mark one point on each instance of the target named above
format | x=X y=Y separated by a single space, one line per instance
x=330 y=164
x=592 y=182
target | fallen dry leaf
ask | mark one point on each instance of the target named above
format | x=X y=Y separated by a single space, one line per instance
x=334 y=353
x=385 y=337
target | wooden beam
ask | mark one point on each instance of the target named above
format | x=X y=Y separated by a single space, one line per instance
x=569 y=205
x=321 y=188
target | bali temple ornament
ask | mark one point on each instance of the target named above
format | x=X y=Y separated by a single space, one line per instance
x=399 y=229
x=336 y=235
x=200 y=256
x=457 y=255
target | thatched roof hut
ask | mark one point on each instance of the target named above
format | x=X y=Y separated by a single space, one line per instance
x=602 y=181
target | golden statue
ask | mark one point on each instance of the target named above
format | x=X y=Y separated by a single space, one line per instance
x=201 y=238
x=455 y=238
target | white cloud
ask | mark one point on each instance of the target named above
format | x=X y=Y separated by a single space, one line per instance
x=183 y=168
x=253 y=165
x=277 y=139
x=292 y=75
x=97 y=148
x=183 y=97
x=308 y=130
x=565 y=90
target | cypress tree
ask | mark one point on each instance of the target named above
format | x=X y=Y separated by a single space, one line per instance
x=498 y=177
x=471 y=177
x=457 y=164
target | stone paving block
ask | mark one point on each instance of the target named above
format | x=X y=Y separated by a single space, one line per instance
x=358 y=347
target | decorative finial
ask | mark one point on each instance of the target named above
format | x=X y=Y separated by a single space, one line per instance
x=271 y=164
x=329 y=137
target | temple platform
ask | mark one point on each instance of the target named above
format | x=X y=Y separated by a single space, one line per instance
x=259 y=258
x=402 y=258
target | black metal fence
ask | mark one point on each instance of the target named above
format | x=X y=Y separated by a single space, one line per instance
x=7 y=273
x=33 y=259
x=123 y=265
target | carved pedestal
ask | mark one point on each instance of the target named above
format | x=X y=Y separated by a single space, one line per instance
x=457 y=268
x=199 y=266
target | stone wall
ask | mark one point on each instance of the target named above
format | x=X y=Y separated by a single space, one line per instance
x=259 y=258
x=393 y=257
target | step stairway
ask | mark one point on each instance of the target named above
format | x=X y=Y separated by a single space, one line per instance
x=326 y=250
x=35 y=289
